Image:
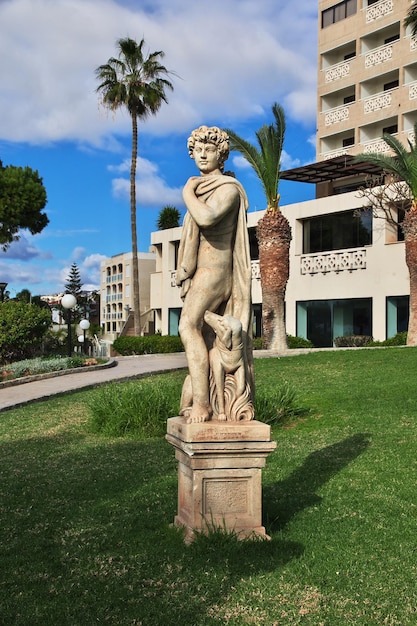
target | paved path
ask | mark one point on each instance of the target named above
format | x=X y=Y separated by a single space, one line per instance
x=125 y=368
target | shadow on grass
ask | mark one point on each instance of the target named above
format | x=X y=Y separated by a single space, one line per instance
x=283 y=500
x=86 y=537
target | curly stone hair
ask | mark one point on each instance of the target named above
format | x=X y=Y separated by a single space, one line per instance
x=213 y=135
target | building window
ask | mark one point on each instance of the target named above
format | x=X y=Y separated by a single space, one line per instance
x=348 y=141
x=390 y=130
x=321 y=321
x=253 y=244
x=173 y=321
x=336 y=231
x=397 y=315
x=338 y=12
x=391 y=85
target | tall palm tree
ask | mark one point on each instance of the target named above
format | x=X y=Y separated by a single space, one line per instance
x=402 y=166
x=273 y=229
x=137 y=81
x=411 y=18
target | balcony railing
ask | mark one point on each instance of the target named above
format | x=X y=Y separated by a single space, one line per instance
x=333 y=262
x=337 y=71
x=379 y=55
x=379 y=9
x=255 y=274
x=377 y=102
x=377 y=146
x=412 y=91
x=336 y=115
x=330 y=154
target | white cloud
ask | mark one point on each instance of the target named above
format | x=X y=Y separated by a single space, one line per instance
x=233 y=60
x=151 y=188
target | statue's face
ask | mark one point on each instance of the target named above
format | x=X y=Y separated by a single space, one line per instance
x=206 y=157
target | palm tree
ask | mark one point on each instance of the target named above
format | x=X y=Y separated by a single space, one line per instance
x=411 y=19
x=273 y=229
x=169 y=217
x=138 y=82
x=402 y=166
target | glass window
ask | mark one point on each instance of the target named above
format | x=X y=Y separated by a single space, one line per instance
x=347 y=229
x=338 y=12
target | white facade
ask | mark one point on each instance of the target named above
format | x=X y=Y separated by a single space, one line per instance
x=355 y=290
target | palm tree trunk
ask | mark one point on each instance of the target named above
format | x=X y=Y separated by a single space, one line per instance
x=410 y=236
x=135 y=263
x=274 y=237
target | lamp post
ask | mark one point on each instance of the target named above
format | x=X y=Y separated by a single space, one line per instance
x=2 y=290
x=84 y=325
x=69 y=301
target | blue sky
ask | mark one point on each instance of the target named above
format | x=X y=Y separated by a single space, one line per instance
x=232 y=60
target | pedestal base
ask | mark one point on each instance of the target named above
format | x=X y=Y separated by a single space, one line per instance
x=220 y=474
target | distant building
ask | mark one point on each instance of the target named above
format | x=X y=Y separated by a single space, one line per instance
x=116 y=291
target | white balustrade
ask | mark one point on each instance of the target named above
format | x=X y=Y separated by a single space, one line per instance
x=379 y=55
x=378 y=102
x=337 y=71
x=379 y=9
x=333 y=262
x=336 y=115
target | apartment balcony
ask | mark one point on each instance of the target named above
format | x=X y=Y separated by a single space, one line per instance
x=412 y=90
x=378 y=10
x=337 y=71
x=114 y=297
x=346 y=260
x=336 y=115
x=382 y=54
x=375 y=146
x=381 y=101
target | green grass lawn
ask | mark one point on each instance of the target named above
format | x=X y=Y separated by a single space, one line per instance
x=85 y=520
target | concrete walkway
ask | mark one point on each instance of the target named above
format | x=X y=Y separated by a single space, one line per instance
x=125 y=368
x=13 y=394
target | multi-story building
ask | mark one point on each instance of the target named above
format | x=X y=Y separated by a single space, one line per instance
x=347 y=267
x=367 y=76
x=117 y=293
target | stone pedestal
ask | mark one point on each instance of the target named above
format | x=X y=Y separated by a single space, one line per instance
x=220 y=474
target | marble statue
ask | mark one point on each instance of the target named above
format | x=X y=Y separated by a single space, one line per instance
x=214 y=273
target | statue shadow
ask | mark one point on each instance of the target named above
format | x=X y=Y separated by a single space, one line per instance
x=284 y=499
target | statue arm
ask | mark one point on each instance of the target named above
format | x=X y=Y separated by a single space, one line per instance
x=224 y=199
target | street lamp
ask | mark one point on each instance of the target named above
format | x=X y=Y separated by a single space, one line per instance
x=2 y=290
x=68 y=302
x=84 y=325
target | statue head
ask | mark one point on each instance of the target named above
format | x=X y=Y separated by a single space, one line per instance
x=214 y=136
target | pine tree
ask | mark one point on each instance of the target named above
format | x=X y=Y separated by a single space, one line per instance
x=73 y=284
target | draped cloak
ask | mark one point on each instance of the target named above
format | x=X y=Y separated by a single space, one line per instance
x=239 y=304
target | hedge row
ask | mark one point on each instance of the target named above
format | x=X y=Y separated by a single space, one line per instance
x=156 y=344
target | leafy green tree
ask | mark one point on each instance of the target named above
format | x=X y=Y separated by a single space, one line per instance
x=22 y=198
x=411 y=19
x=169 y=217
x=24 y=296
x=137 y=82
x=273 y=229
x=22 y=329
x=402 y=166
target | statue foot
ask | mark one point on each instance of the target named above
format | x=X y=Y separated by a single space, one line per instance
x=198 y=414
x=222 y=417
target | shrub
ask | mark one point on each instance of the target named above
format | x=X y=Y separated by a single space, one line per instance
x=138 y=408
x=22 y=328
x=352 y=341
x=277 y=405
x=400 y=339
x=293 y=343
x=149 y=344
x=28 y=367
